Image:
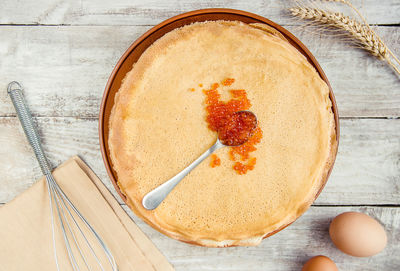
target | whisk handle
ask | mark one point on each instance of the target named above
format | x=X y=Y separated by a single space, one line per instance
x=15 y=91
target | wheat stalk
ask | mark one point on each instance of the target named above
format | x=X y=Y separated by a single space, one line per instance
x=348 y=3
x=360 y=32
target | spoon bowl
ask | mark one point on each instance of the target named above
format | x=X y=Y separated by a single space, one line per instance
x=238 y=129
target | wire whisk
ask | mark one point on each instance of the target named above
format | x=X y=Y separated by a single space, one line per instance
x=71 y=221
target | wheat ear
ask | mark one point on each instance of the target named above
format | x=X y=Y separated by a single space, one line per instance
x=362 y=33
x=348 y=3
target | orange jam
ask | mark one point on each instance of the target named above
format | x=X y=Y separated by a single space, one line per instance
x=215 y=161
x=244 y=152
x=228 y=81
x=220 y=112
x=243 y=168
x=238 y=129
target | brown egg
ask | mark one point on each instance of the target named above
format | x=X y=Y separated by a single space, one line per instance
x=319 y=263
x=357 y=234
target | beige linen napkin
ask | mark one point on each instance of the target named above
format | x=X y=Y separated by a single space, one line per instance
x=25 y=225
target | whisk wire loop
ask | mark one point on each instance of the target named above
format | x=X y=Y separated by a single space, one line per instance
x=67 y=213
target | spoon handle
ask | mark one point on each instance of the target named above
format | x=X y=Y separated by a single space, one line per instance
x=152 y=199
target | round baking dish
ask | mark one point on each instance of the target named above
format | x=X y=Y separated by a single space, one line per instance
x=133 y=53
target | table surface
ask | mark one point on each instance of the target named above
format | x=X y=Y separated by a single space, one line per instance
x=63 y=52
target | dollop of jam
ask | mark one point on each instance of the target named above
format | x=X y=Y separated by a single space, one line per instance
x=228 y=81
x=238 y=129
x=215 y=161
x=219 y=113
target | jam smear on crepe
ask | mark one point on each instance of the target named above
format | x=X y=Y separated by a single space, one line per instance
x=220 y=113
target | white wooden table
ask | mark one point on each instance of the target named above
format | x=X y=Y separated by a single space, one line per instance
x=63 y=52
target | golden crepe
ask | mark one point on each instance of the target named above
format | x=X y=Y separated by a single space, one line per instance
x=158 y=127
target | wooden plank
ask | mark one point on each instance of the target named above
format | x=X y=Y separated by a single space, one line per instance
x=287 y=250
x=368 y=164
x=137 y=12
x=363 y=85
x=367 y=169
x=64 y=69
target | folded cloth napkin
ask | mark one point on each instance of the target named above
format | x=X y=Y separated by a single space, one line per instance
x=25 y=225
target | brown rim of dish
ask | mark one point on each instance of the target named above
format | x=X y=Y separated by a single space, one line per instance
x=133 y=53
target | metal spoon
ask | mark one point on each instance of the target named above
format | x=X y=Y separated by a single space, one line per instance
x=154 y=198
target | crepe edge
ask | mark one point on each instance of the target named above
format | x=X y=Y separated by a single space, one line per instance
x=118 y=110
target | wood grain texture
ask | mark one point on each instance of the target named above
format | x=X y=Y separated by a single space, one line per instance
x=367 y=168
x=63 y=51
x=138 y=12
x=64 y=69
x=287 y=250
